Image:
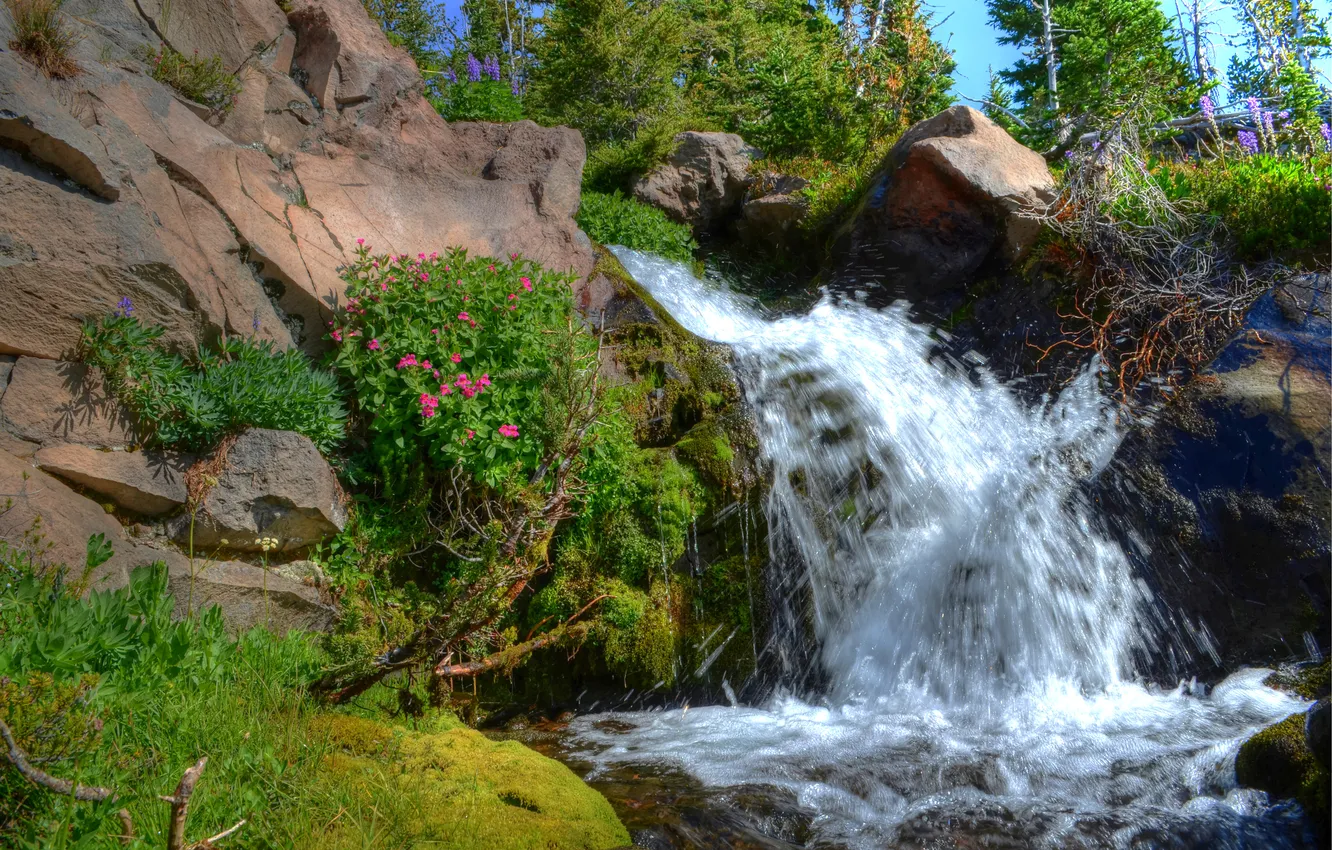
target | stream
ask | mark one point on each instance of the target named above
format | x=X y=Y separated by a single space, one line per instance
x=980 y=634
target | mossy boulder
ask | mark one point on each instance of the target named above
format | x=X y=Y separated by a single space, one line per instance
x=455 y=788
x=1278 y=760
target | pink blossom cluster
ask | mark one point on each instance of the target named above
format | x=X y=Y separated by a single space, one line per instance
x=508 y=431
x=429 y=404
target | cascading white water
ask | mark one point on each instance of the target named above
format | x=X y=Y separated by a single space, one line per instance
x=977 y=629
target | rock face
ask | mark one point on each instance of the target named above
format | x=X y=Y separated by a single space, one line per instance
x=947 y=201
x=1230 y=485
x=773 y=207
x=272 y=484
x=147 y=483
x=50 y=402
x=239 y=224
x=703 y=181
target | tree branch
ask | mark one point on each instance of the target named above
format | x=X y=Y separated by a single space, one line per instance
x=37 y=776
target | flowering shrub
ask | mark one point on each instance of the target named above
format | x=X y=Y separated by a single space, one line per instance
x=453 y=355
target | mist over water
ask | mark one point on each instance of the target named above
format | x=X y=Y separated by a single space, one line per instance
x=978 y=632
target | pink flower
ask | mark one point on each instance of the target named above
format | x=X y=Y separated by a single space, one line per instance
x=360 y=241
x=445 y=389
x=508 y=430
x=470 y=433
x=383 y=287
x=428 y=405
x=526 y=282
x=513 y=256
x=463 y=317
x=409 y=360
x=435 y=331
x=337 y=336
x=425 y=364
x=421 y=256
x=373 y=345
x=491 y=268
x=468 y=392
x=462 y=380
x=424 y=276
x=456 y=358
x=484 y=380
x=375 y=264
x=513 y=297
x=434 y=255
x=436 y=374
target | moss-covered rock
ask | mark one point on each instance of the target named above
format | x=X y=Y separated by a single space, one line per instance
x=1278 y=760
x=455 y=788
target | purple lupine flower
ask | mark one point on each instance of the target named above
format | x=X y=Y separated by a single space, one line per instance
x=1068 y=155
x=1248 y=141
x=450 y=75
x=1283 y=114
x=255 y=323
x=124 y=307
x=1096 y=145
x=1267 y=123
x=1208 y=108
x=1255 y=111
x=1326 y=130
x=514 y=87
x=492 y=67
x=473 y=69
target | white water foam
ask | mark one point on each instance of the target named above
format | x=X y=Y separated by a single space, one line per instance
x=977 y=629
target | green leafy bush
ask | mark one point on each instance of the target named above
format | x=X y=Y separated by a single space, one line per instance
x=203 y=81
x=483 y=100
x=1273 y=207
x=451 y=358
x=246 y=383
x=619 y=220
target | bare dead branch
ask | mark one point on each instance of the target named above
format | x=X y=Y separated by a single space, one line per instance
x=180 y=804
x=37 y=776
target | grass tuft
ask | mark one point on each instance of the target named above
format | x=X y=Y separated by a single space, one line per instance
x=40 y=35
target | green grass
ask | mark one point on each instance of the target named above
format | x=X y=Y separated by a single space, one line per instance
x=40 y=34
x=615 y=219
x=200 y=80
x=107 y=691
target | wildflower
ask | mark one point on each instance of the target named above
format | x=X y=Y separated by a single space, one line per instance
x=409 y=360
x=513 y=256
x=434 y=255
x=1208 y=109
x=450 y=75
x=1283 y=114
x=445 y=389
x=473 y=69
x=484 y=380
x=468 y=392
x=492 y=67
x=124 y=307
x=508 y=430
x=361 y=241
x=1326 y=130
x=462 y=380
x=513 y=297
x=425 y=364
x=1255 y=111
x=470 y=433
x=526 y=282
x=436 y=374
x=463 y=317
x=373 y=345
x=1068 y=155
x=421 y=256
x=490 y=268
x=514 y=88
x=435 y=331
x=383 y=287
x=337 y=335
x=424 y=277
x=428 y=405
x=455 y=357
x=1248 y=141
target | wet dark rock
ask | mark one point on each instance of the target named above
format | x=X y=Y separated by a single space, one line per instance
x=1223 y=496
x=1318 y=731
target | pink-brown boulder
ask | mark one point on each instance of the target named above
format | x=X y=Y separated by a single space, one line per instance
x=954 y=193
x=144 y=482
x=703 y=181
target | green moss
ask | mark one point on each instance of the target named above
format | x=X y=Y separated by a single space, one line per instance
x=1309 y=682
x=457 y=789
x=708 y=448
x=1278 y=760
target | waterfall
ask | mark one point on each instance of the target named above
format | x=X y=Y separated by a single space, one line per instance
x=977 y=629
x=948 y=545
